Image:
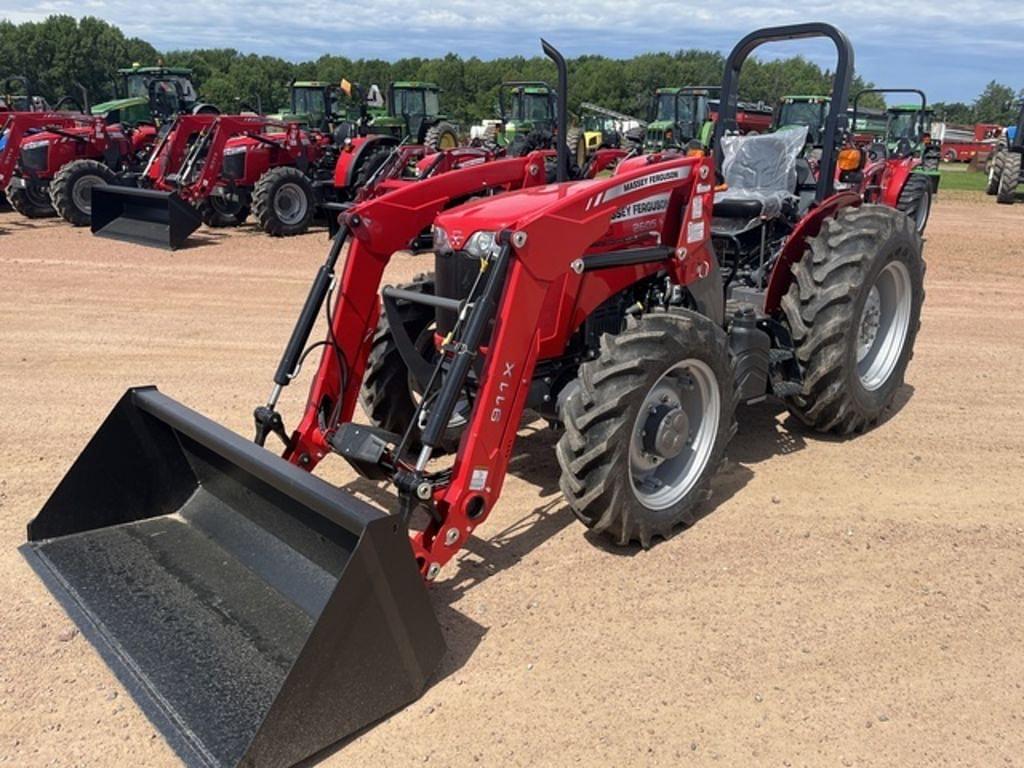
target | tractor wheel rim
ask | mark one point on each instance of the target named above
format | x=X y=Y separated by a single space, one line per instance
x=290 y=204
x=447 y=141
x=883 y=327
x=663 y=470
x=81 y=192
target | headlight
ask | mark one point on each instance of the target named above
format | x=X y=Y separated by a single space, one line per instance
x=481 y=244
x=441 y=241
x=36 y=144
x=228 y=151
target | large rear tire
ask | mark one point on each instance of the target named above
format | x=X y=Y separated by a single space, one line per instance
x=916 y=200
x=1010 y=178
x=284 y=202
x=995 y=169
x=71 y=189
x=388 y=394
x=369 y=166
x=646 y=426
x=32 y=202
x=854 y=310
x=441 y=136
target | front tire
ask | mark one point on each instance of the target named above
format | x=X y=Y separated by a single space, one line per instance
x=284 y=202
x=441 y=136
x=995 y=170
x=854 y=310
x=71 y=189
x=32 y=202
x=646 y=426
x=217 y=212
x=916 y=200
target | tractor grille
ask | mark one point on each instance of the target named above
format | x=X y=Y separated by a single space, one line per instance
x=454 y=274
x=35 y=159
x=234 y=166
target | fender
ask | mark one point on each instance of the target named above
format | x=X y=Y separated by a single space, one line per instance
x=352 y=156
x=793 y=250
x=895 y=179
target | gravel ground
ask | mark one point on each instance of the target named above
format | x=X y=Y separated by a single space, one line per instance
x=845 y=602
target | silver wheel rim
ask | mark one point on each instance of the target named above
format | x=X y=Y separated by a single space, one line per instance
x=81 y=192
x=290 y=203
x=883 y=326
x=660 y=482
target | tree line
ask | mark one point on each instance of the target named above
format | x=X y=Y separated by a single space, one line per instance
x=59 y=51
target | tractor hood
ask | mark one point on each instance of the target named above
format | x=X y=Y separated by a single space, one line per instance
x=110 y=106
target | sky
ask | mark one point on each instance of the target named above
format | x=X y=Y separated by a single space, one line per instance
x=950 y=51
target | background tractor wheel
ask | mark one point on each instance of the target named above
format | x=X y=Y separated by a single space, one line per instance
x=577 y=146
x=374 y=160
x=854 y=309
x=32 y=201
x=218 y=212
x=916 y=200
x=283 y=202
x=1010 y=178
x=995 y=169
x=71 y=189
x=441 y=136
x=389 y=395
x=646 y=426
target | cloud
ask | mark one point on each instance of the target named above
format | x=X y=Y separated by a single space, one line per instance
x=951 y=51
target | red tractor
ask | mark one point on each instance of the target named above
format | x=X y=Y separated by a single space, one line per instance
x=634 y=312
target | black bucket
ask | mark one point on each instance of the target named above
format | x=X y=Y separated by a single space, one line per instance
x=142 y=216
x=257 y=613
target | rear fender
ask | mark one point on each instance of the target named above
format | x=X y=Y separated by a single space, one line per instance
x=895 y=179
x=351 y=157
x=793 y=250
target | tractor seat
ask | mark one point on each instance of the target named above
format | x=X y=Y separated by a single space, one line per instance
x=760 y=173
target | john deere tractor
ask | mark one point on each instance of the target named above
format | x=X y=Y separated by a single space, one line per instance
x=810 y=111
x=528 y=115
x=151 y=95
x=314 y=103
x=908 y=128
x=413 y=114
x=681 y=115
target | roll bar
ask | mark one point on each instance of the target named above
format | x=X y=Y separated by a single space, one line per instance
x=916 y=91
x=841 y=83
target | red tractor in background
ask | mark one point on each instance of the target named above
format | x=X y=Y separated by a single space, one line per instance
x=891 y=170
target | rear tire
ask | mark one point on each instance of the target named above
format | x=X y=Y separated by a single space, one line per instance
x=32 y=202
x=916 y=200
x=620 y=480
x=284 y=202
x=369 y=166
x=1010 y=178
x=995 y=170
x=441 y=136
x=217 y=212
x=71 y=189
x=854 y=310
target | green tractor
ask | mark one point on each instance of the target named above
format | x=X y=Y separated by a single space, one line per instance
x=314 y=103
x=686 y=116
x=809 y=111
x=528 y=116
x=681 y=115
x=413 y=114
x=911 y=125
x=151 y=95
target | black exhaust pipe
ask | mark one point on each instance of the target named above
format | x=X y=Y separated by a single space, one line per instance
x=563 y=108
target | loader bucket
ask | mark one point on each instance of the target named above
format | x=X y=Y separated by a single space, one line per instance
x=142 y=216
x=257 y=613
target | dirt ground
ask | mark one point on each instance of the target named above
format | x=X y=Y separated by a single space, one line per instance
x=845 y=602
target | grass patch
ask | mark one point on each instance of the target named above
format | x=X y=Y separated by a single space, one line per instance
x=969 y=181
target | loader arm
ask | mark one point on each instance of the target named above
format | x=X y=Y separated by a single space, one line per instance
x=375 y=230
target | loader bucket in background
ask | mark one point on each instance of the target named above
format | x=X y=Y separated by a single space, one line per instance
x=142 y=216
x=256 y=612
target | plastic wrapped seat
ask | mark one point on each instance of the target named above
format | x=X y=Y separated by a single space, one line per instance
x=760 y=172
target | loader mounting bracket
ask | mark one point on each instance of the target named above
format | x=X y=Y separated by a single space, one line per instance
x=268 y=421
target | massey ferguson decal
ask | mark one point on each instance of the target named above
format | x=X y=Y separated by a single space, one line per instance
x=653 y=205
x=650 y=180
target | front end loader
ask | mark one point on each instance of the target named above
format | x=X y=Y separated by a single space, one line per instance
x=265 y=614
